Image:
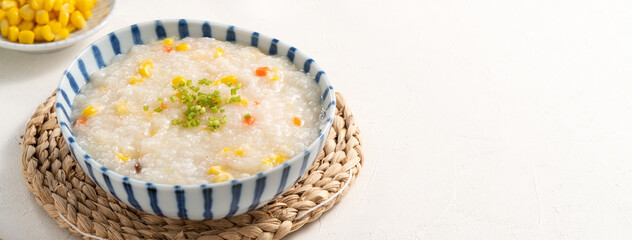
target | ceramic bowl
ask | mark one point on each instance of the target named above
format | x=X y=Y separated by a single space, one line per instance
x=194 y=202
x=100 y=15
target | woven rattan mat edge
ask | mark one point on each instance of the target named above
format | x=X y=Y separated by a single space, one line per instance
x=61 y=187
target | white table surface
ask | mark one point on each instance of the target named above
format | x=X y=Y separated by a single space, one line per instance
x=480 y=119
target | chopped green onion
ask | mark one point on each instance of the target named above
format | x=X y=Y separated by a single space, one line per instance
x=145 y=108
x=158 y=109
x=247 y=115
x=173 y=98
x=159 y=99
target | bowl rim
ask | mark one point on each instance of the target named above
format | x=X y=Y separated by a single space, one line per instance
x=327 y=123
x=52 y=45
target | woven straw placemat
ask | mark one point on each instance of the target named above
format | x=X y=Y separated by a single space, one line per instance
x=64 y=191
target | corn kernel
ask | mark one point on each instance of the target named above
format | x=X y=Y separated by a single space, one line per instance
x=84 y=5
x=279 y=160
x=121 y=108
x=226 y=149
x=144 y=67
x=229 y=79
x=8 y=4
x=27 y=13
x=57 y=5
x=94 y=2
x=244 y=102
x=4 y=27
x=26 y=37
x=134 y=80
x=2 y=14
x=77 y=19
x=87 y=14
x=177 y=80
x=122 y=157
x=88 y=111
x=216 y=170
x=48 y=5
x=182 y=47
x=47 y=33
x=21 y=2
x=239 y=152
x=26 y=25
x=274 y=78
x=68 y=7
x=63 y=34
x=37 y=33
x=219 y=52
x=13 y=33
x=14 y=16
x=297 y=121
x=216 y=82
x=71 y=28
x=36 y=4
x=63 y=18
x=144 y=71
x=55 y=26
x=41 y=17
x=223 y=177
x=168 y=41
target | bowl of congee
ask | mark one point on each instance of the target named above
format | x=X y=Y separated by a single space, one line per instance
x=193 y=119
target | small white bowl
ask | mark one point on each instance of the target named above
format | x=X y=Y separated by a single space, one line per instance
x=100 y=15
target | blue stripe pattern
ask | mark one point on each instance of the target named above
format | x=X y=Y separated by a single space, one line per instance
x=130 y=194
x=116 y=46
x=234 y=203
x=230 y=34
x=136 y=35
x=73 y=83
x=307 y=66
x=259 y=187
x=97 y=56
x=63 y=124
x=207 y=194
x=58 y=105
x=322 y=98
x=183 y=28
x=290 y=53
x=153 y=199
x=160 y=30
x=182 y=210
x=254 y=39
x=65 y=96
x=108 y=183
x=171 y=201
x=273 y=47
x=305 y=159
x=84 y=72
x=333 y=103
x=318 y=76
x=206 y=30
x=286 y=173
x=89 y=167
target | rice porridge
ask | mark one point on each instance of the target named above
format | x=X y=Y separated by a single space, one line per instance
x=195 y=111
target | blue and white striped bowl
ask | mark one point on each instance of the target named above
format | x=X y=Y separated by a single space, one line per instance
x=194 y=202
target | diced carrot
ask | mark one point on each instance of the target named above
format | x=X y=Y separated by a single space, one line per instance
x=80 y=121
x=249 y=120
x=257 y=102
x=262 y=71
x=163 y=105
x=167 y=49
x=297 y=121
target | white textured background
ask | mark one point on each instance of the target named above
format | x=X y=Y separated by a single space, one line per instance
x=480 y=119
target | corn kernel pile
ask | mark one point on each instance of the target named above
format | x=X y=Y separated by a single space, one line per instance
x=30 y=21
